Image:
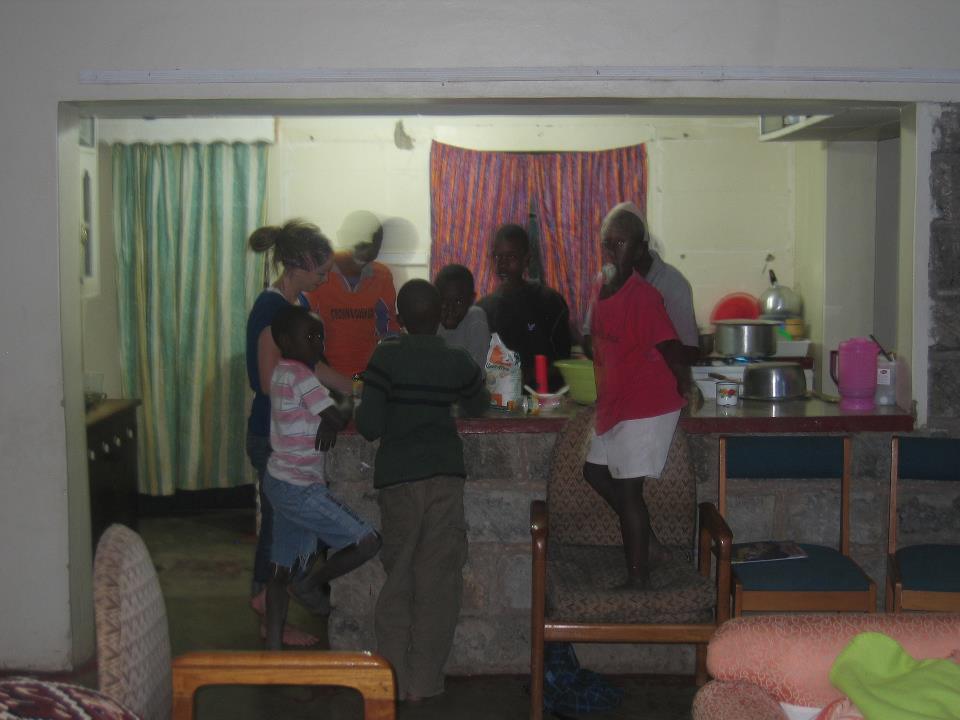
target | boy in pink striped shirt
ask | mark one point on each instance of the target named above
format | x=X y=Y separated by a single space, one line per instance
x=304 y=421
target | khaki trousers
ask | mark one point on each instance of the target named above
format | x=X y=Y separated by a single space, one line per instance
x=424 y=551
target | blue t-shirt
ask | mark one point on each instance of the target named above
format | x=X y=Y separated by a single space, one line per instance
x=265 y=308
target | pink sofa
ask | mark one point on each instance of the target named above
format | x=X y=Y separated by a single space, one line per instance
x=759 y=662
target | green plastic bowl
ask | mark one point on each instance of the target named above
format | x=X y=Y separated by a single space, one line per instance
x=578 y=374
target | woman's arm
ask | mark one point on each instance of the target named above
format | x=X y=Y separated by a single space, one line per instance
x=333 y=380
x=268 y=355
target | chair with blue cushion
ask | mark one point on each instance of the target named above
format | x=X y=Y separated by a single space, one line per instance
x=827 y=579
x=925 y=576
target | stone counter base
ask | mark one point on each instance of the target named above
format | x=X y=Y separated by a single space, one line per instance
x=508 y=470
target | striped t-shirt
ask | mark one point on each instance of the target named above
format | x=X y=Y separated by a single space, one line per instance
x=296 y=400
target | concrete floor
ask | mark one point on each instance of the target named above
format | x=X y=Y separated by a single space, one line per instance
x=204 y=562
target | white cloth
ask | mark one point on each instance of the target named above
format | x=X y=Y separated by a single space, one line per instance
x=635 y=448
x=799 y=712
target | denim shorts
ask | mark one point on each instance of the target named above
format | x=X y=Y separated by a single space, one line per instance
x=304 y=514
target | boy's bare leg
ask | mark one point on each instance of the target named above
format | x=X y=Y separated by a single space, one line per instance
x=635 y=528
x=313 y=592
x=277 y=603
x=625 y=496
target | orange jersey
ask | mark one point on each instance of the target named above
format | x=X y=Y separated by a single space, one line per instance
x=355 y=319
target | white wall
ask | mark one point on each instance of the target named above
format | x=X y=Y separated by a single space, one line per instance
x=811 y=210
x=719 y=201
x=888 y=233
x=850 y=245
x=45 y=46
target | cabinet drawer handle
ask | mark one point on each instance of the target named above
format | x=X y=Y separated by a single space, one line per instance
x=130 y=433
x=105 y=447
x=117 y=441
x=92 y=454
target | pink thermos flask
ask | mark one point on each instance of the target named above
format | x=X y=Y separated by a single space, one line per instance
x=853 y=368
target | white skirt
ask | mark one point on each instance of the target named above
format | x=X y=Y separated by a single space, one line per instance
x=635 y=448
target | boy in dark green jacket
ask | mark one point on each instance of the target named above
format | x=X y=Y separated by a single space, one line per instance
x=409 y=387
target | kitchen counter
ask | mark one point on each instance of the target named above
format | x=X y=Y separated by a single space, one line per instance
x=794 y=416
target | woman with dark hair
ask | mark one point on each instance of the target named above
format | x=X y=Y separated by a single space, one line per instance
x=304 y=257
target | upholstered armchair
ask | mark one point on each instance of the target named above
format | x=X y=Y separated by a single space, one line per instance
x=578 y=561
x=133 y=648
x=759 y=662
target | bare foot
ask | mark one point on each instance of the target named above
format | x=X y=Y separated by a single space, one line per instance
x=292 y=636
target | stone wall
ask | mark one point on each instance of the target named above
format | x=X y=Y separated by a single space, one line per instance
x=943 y=384
x=508 y=470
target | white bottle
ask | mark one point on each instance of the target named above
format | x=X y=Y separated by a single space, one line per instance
x=886 y=381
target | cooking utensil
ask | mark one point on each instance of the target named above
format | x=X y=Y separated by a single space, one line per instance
x=773 y=381
x=883 y=352
x=778 y=301
x=745 y=338
x=724 y=378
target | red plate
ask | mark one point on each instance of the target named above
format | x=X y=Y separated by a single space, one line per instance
x=736 y=306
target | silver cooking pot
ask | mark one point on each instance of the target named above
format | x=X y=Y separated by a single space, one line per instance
x=773 y=381
x=745 y=338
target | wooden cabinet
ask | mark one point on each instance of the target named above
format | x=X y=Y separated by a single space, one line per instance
x=112 y=464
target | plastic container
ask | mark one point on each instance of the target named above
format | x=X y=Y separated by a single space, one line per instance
x=736 y=306
x=578 y=374
x=853 y=367
x=886 y=393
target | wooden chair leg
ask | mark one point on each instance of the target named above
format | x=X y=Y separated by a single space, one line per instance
x=536 y=678
x=701 y=672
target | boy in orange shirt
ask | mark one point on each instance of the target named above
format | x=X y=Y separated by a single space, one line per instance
x=357 y=303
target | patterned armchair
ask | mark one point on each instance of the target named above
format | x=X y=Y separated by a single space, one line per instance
x=760 y=662
x=133 y=647
x=577 y=569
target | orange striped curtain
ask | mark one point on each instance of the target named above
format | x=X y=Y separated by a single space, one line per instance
x=571 y=192
x=472 y=192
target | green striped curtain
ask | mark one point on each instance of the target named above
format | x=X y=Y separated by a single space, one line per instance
x=182 y=215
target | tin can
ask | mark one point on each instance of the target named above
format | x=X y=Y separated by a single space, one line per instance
x=728 y=393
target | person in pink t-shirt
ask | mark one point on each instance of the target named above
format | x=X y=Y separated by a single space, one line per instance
x=635 y=351
x=304 y=421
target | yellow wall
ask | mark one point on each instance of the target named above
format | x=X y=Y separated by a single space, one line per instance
x=719 y=201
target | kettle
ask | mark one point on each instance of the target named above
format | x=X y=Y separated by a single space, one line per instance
x=778 y=301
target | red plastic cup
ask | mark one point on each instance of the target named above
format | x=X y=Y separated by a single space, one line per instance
x=540 y=368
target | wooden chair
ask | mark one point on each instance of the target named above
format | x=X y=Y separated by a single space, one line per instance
x=925 y=576
x=578 y=562
x=133 y=647
x=827 y=579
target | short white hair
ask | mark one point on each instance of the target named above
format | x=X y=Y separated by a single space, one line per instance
x=625 y=216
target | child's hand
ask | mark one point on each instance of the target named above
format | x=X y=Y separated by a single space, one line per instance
x=326 y=438
x=332 y=421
